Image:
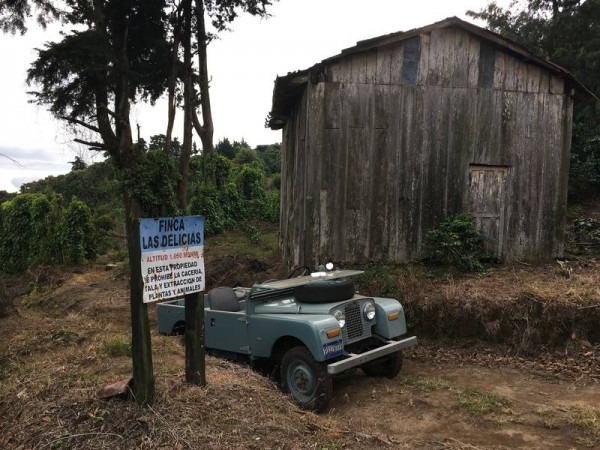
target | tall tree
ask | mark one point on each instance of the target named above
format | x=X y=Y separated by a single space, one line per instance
x=120 y=52
x=117 y=55
x=219 y=14
x=566 y=32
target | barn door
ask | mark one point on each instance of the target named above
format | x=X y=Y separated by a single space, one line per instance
x=487 y=191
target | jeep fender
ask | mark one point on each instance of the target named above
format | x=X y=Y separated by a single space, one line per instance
x=385 y=327
x=309 y=329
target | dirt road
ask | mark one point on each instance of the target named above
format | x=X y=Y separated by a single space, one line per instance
x=464 y=403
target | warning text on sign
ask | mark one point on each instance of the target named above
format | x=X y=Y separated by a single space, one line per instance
x=172 y=256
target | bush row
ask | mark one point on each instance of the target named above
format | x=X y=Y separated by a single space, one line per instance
x=37 y=229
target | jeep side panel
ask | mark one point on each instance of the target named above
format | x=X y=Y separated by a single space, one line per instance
x=310 y=329
x=226 y=330
x=168 y=314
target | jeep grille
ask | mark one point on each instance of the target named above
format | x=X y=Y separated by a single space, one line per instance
x=356 y=327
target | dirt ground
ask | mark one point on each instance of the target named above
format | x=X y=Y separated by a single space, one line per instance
x=459 y=394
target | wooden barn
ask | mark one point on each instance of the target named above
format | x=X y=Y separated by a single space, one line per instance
x=387 y=138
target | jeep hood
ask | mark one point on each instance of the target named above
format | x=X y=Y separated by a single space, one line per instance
x=290 y=306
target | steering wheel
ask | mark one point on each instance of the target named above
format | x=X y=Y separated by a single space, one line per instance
x=305 y=271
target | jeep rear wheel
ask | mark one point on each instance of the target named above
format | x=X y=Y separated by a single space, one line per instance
x=388 y=366
x=305 y=379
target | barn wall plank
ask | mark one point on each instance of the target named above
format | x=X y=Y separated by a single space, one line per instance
x=557 y=85
x=460 y=75
x=371 y=67
x=359 y=68
x=499 y=72
x=384 y=65
x=534 y=74
x=510 y=73
x=448 y=39
x=397 y=57
x=436 y=63
x=316 y=111
x=424 y=61
x=473 y=62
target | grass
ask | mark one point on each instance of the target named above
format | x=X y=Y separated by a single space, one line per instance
x=117 y=346
x=479 y=403
x=424 y=384
x=262 y=243
x=587 y=419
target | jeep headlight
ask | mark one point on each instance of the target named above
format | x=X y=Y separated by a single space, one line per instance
x=369 y=311
x=340 y=317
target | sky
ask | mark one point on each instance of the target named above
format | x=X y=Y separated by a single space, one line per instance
x=243 y=65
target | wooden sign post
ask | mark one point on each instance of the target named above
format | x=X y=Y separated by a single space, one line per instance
x=141 y=345
x=169 y=263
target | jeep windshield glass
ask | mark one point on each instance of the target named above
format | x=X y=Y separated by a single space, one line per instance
x=299 y=281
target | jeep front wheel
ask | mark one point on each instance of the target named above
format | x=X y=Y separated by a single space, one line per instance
x=388 y=366
x=306 y=379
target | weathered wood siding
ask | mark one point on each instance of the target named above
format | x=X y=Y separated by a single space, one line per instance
x=401 y=136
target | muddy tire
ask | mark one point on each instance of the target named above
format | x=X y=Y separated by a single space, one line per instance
x=178 y=329
x=306 y=380
x=325 y=291
x=389 y=366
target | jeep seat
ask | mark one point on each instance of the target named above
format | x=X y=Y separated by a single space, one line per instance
x=223 y=299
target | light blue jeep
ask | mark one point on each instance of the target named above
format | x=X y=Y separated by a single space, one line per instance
x=312 y=327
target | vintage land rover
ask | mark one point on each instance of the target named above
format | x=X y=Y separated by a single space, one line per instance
x=312 y=327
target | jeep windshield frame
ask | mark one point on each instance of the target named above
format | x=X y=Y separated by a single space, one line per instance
x=299 y=281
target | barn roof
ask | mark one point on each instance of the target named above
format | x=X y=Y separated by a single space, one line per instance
x=289 y=87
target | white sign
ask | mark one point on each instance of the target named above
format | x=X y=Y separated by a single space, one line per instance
x=172 y=256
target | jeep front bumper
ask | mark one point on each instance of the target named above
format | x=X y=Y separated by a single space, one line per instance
x=353 y=360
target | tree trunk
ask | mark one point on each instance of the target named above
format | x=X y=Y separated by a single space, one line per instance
x=188 y=105
x=207 y=130
x=141 y=346
x=172 y=84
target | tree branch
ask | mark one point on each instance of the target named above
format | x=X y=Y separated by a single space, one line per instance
x=196 y=122
x=93 y=145
x=13 y=160
x=81 y=122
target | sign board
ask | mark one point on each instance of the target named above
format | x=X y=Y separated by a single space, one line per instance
x=172 y=256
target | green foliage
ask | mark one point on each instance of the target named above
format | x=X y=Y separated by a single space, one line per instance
x=271 y=209
x=207 y=203
x=239 y=199
x=78 y=164
x=456 y=243
x=153 y=181
x=159 y=142
x=5 y=196
x=77 y=233
x=246 y=156
x=271 y=158
x=276 y=181
x=40 y=230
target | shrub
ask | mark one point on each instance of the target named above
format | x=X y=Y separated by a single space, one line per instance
x=271 y=210
x=77 y=233
x=153 y=182
x=455 y=242
x=38 y=230
x=207 y=203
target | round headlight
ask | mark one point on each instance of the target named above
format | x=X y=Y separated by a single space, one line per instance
x=340 y=317
x=369 y=311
